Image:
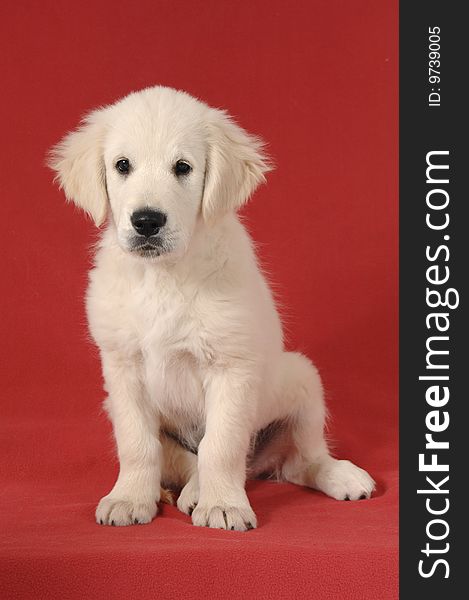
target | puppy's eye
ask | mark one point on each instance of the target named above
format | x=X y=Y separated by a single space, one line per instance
x=123 y=166
x=182 y=168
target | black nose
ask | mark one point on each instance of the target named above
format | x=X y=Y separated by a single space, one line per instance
x=147 y=222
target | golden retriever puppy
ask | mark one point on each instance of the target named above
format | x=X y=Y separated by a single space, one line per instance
x=201 y=392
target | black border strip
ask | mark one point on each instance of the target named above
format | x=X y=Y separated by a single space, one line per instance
x=429 y=127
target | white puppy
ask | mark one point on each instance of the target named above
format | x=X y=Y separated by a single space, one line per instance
x=201 y=393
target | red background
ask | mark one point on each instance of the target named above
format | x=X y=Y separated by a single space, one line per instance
x=318 y=81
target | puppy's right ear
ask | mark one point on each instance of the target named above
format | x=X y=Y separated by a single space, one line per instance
x=79 y=165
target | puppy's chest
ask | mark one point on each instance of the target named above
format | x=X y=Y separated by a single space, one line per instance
x=168 y=321
x=174 y=346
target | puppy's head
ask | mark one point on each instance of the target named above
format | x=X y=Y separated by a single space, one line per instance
x=154 y=164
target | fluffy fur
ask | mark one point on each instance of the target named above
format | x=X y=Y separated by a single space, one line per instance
x=190 y=340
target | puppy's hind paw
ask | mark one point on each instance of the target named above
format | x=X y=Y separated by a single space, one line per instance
x=343 y=480
x=189 y=496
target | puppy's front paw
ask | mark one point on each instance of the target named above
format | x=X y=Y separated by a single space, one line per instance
x=233 y=518
x=119 y=511
x=343 y=480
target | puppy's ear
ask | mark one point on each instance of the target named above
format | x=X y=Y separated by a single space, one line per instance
x=79 y=164
x=235 y=166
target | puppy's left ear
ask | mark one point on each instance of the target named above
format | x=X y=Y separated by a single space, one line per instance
x=236 y=165
x=79 y=166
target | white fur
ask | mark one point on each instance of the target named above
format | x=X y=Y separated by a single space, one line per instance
x=190 y=340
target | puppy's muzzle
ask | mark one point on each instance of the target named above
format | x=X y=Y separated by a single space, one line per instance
x=147 y=221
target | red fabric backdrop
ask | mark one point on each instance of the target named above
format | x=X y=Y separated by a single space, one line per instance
x=318 y=80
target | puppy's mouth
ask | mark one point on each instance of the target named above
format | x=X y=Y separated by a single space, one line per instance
x=147 y=248
x=148 y=251
x=151 y=247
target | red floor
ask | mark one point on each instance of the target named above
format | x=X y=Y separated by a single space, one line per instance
x=306 y=546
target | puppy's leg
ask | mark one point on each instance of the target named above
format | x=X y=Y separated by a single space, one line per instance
x=310 y=463
x=230 y=402
x=180 y=471
x=136 y=492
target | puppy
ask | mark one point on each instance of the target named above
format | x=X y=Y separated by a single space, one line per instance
x=201 y=392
